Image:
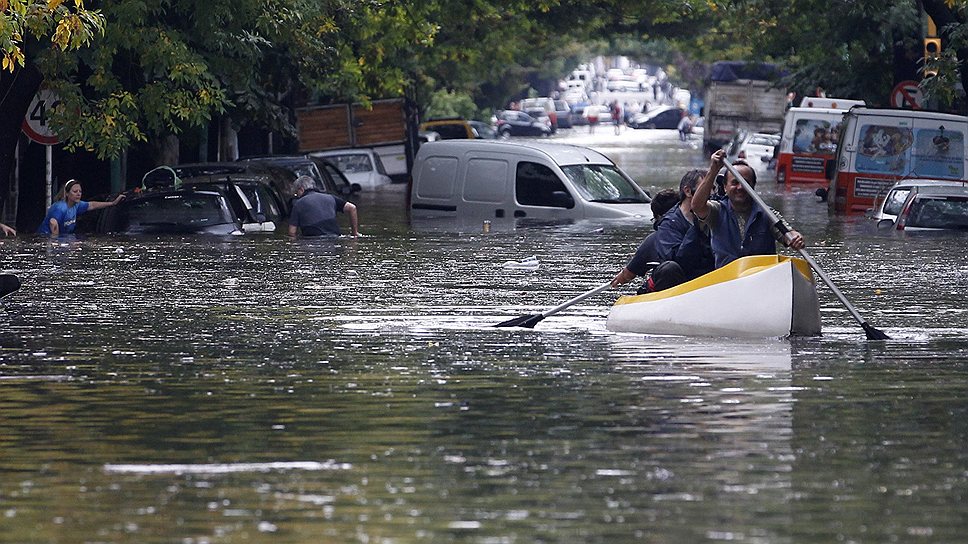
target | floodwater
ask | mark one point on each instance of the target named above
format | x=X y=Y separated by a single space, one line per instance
x=258 y=389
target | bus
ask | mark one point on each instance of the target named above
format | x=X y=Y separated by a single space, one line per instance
x=809 y=139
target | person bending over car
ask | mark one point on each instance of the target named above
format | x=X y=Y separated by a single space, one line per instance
x=314 y=213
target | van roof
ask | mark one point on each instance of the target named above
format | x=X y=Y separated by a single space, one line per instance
x=830 y=103
x=856 y=112
x=562 y=154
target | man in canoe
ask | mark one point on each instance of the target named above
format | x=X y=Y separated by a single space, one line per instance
x=737 y=226
x=647 y=255
x=682 y=238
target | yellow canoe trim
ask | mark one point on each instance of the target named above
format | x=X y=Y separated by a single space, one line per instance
x=743 y=266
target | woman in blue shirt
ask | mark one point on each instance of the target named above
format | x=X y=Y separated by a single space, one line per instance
x=62 y=215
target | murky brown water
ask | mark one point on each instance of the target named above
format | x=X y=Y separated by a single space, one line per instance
x=263 y=390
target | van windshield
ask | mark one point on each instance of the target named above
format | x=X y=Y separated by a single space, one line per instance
x=603 y=183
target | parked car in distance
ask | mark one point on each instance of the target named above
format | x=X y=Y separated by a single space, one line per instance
x=217 y=205
x=890 y=205
x=483 y=130
x=536 y=106
x=359 y=165
x=449 y=128
x=756 y=148
x=664 y=117
x=518 y=123
x=563 y=110
x=303 y=165
x=934 y=207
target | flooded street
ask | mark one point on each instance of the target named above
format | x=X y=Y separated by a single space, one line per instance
x=260 y=389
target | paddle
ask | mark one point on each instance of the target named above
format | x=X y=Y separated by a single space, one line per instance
x=531 y=320
x=872 y=333
x=8 y=284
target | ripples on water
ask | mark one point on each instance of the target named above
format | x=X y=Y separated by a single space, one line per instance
x=260 y=389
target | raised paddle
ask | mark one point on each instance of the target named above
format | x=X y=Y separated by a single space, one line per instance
x=8 y=284
x=531 y=320
x=872 y=333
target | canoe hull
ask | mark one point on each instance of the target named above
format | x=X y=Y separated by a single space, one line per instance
x=752 y=297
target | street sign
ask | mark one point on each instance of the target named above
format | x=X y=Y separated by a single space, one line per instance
x=907 y=94
x=35 y=122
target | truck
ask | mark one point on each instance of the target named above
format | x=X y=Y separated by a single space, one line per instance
x=742 y=96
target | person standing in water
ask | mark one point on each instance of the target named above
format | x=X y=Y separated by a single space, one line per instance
x=62 y=215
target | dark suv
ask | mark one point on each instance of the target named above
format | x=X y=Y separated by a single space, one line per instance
x=211 y=203
x=301 y=165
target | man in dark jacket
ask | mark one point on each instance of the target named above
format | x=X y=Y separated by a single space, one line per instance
x=314 y=213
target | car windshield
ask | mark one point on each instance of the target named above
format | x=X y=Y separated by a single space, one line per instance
x=895 y=199
x=352 y=164
x=184 y=209
x=939 y=213
x=603 y=183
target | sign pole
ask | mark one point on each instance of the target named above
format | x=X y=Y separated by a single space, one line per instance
x=50 y=171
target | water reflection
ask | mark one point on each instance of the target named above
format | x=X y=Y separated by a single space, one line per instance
x=166 y=389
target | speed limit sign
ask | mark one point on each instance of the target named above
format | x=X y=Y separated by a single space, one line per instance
x=35 y=122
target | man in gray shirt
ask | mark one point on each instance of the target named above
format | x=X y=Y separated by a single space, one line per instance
x=314 y=213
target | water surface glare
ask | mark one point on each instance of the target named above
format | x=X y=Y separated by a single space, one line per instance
x=259 y=389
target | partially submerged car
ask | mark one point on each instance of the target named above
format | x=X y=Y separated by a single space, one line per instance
x=359 y=165
x=301 y=165
x=219 y=205
x=890 y=205
x=934 y=207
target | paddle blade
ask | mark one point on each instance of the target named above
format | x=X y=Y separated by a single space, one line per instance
x=872 y=333
x=528 y=321
x=8 y=284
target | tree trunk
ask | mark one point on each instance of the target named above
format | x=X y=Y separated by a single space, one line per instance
x=17 y=89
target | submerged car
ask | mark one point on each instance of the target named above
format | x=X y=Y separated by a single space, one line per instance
x=756 y=148
x=301 y=165
x=362 y=166
x=934 y=207
x=231 y=205
x=890 y=206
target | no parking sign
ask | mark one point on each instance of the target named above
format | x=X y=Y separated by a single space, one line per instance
x=907 y=94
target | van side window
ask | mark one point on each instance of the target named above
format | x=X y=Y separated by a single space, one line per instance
x=537 y=185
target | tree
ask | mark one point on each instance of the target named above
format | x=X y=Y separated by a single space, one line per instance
x=27 y=27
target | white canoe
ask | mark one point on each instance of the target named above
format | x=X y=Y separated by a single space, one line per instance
x=752 y=297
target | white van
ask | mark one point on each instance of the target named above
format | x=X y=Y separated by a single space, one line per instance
x=809 y=139
x=490 y=179
x=879 y=147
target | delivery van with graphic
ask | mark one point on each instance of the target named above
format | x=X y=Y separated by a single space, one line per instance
x=879 y=147
x=809 y=139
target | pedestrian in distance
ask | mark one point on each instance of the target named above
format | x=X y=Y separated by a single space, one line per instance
x=738 y=227
x=314 y=213
x=616 y=110
x=685 y=127
x=62 y=215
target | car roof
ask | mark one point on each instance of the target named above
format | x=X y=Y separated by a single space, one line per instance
x=909 y=183
x=563 y=154
x=955 y=189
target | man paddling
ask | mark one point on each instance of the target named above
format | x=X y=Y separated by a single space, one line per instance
x=737 y=226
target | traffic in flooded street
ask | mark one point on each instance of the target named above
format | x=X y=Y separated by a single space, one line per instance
x=260 y=388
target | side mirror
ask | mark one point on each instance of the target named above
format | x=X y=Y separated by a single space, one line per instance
x=885 y=224
x=355 y=188
x=561 y=199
